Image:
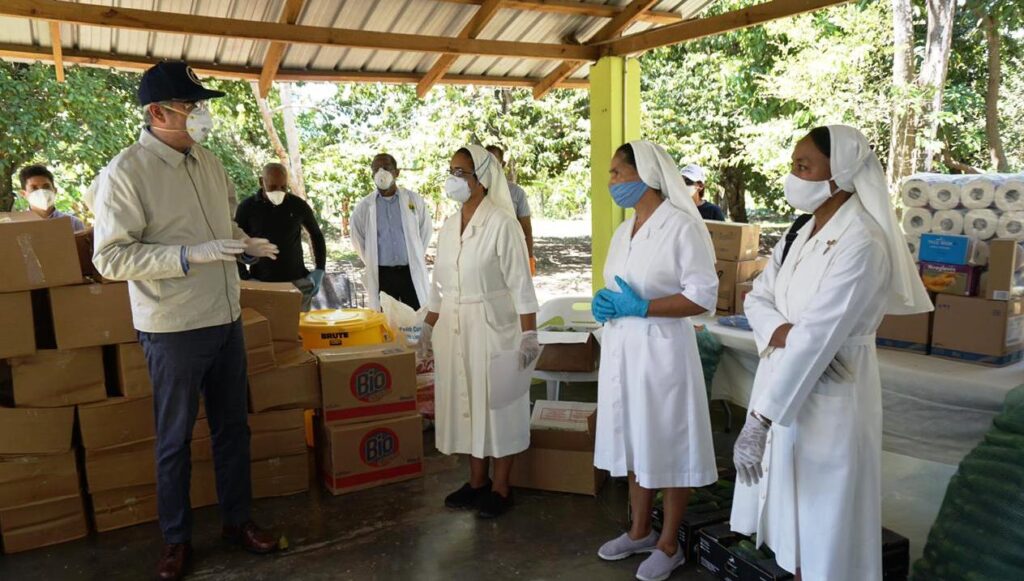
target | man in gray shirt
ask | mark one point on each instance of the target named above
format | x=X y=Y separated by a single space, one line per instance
x=522 y=206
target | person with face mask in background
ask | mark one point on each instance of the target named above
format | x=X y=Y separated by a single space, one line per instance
x=164 y=210
x=391 y=230
x=809 y=455
x=38 y=189
x=273 y=213
x=653 y=423
x=694 y=177
x=482 y=302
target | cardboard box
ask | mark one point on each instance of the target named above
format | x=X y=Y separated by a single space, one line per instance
x=734 y=241
x=362 y=383
x=293 y=384
x=37 y=253
x=979 y=330
x=19 y=335
x=256 y=329
x=1005 y=278
x=85 y=242
x=36 y=431
x=91 y=315
x=260 y=359
x=742 y=290
x=279 y=302
x=946 y=249
x=202 y=449
x=561 y=453
x=121 y=466
x=906 y=333
x=127 y=370
x=950 y=279
x=30 y=479
x=281 y=476
x=53 y=378
x=568 y=349
x=124 y=507
x=44 y=523
x=277 y=434
x=732 y=273
x=203 y=488
x=116 y=421
x=201 y=429
x=358 y=456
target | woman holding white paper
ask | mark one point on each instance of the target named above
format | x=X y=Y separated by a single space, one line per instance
x=809 y=455
x=482 y=304
x=652 y=421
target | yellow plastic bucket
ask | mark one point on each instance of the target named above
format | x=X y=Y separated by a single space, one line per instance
x=329 y=328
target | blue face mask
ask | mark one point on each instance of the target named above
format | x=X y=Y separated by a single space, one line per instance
x=627 y=194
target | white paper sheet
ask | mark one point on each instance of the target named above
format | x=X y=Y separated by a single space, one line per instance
x=509 y=383
x=562 y=337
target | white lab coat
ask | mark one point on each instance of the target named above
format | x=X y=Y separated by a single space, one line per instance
x=481 y=285
x=818 y=506
x=416 y=226
x=652 y=414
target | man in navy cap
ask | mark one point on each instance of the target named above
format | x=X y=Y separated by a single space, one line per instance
x=164 y=210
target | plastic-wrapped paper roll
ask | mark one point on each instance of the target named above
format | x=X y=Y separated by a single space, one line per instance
x=917 y=221
x=944 y=196
x=979 y=253
x=978 y=192
x=1009 y=196
x=913 y=245
x=948 y=222
x=914 y=192
x=1011 y=226
x=981 y=224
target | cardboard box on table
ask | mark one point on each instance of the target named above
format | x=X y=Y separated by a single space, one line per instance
x=364 y=455
x=732 y=273
x=87 y=315
x=906 y=333
x=561 y=453
x=127 y=370
x=293 y=384
x=53 y=378
x=363 y=383
x=734 y=241
x=124 y=507
x=116 y=421
x=36 y=253
x=978 y=330
x=1005 y=277
x=36 y=430
x=279 y=302
x=568 y=349
x=18 y=336
x=43 y=524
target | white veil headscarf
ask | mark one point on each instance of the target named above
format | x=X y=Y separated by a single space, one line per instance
x=659 y=171
x=490 y=173
x=856 y=169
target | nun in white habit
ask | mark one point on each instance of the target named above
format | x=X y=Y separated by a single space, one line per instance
x=808 y=456
x=481 y=302
x=652 y=421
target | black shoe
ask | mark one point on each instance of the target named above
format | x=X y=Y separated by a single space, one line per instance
x=467 y=496
x=493 y=505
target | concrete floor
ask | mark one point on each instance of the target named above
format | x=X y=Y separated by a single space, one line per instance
x=401 y=531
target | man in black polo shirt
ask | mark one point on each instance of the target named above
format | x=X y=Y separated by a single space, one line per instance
x=278 y=216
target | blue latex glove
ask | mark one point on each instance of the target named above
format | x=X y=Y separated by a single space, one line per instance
x=317 y=278
x=602 y=307
x=627 y=303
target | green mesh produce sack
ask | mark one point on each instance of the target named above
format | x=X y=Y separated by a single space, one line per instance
x=710 y=355
x=979 y=533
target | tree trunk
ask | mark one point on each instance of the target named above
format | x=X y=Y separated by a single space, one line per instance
x=904 y=122
x=995 y=73
x=291 y=133
x=7 y=195
x=733 y=189
x=268 y=124
x=933 y=71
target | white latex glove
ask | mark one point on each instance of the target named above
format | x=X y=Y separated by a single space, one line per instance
x=839 y=371
x=214 y=250
x=260 y=248
x=426 y=343
x=529 y=349
x=749 y=450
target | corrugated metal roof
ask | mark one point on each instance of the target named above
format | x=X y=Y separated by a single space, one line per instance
x=442 y=18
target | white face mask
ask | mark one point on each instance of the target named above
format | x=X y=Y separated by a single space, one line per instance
x=42 y=199
x=688 y=191
x=198 y=124
x=457 y=189
x=276 y=197
x=383 y=179
x=806 y=196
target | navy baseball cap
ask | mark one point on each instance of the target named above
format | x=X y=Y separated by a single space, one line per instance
x=173 y=81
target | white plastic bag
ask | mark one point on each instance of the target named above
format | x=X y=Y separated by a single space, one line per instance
x=403 y=321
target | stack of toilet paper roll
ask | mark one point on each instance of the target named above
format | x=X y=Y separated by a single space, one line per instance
x=982 y=206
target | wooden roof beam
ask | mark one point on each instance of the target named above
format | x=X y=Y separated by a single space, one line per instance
x=130 y=18
x=613 y=29
x=58 y=50
x=578 y=8
x=712 y=25
x=472 y=29
x=275 y=52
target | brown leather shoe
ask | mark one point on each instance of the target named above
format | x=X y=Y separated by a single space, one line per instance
x=251 y=537
x=174 y=562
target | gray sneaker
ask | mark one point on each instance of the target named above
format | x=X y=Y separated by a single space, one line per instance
x=660 y=566
x=623 y=546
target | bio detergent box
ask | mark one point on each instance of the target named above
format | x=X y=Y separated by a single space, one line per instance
x=363 y=383
x=368 y=454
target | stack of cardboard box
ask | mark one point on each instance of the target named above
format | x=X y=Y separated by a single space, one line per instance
x=369 y=431
x=736 y=260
